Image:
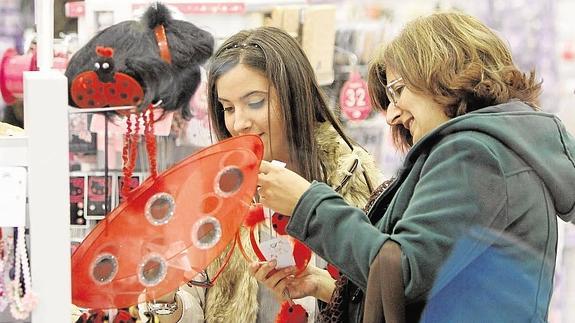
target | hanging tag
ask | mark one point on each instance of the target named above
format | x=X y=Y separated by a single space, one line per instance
x=13 y=193
x=279 y=249
x=354 y=98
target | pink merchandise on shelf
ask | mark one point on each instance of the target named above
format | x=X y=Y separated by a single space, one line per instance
x=12 y=68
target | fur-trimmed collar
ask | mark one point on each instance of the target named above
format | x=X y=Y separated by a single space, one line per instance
x=338 y=161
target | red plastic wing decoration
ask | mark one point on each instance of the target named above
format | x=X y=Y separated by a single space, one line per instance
x=169 y=229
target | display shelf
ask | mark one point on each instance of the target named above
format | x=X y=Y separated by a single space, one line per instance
x=13 y=151
x=74 y=110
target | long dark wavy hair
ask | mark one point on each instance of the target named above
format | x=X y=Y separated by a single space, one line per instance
x=280 y=58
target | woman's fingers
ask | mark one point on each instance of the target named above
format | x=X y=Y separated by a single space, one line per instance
x=276 y=277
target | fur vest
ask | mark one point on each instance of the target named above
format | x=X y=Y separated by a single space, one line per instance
x=234 y=297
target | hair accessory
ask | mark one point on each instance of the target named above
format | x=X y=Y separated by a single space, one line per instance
x=162 y=40
x=141 y=50
x=243 y=46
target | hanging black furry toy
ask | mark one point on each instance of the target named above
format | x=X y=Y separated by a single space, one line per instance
x=139 y=63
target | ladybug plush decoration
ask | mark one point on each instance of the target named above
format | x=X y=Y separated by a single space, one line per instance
x=104 y=86
x=140 y=63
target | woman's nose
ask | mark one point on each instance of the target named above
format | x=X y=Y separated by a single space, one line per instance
x=242 y=120
x=392 y=115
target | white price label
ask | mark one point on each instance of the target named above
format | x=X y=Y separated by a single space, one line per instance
x=279 y=249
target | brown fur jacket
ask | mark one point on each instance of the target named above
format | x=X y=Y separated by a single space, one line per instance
x=234 y=297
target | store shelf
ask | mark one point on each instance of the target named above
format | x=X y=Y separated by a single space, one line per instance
x=14 y=151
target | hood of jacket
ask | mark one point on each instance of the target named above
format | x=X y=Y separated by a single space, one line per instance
x=539 y=138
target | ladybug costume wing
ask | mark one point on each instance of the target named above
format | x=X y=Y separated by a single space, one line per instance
x=105 y=87
x=87 y=91
x=169 y=229
x=125 y=90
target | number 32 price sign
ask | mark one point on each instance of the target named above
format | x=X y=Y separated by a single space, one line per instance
x=354 y=98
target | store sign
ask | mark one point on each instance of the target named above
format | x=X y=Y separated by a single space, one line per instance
x=354 y=98
x=74 y=9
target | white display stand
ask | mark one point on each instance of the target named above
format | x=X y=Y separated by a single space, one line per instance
x=44 y=152
x=46 y=125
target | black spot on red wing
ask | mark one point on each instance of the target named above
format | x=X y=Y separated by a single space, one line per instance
x=112 y=90
x=275 y=226
x=136 y=99
x=280 y=217
x=123 y=95
x=80 y=97
x=91 y=102
x=290 y=309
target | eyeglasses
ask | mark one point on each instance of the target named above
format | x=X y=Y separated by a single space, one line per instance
x=394 y=89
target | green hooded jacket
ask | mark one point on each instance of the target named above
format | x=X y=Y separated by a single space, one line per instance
x=505 y=168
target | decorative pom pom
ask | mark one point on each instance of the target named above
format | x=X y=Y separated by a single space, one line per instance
x=255 y=216
x=104 y=51
x=292 y=314
x=279 y=222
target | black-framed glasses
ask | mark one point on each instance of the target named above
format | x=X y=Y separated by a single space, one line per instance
x=394 y=89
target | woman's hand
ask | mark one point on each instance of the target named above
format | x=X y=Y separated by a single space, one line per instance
x=280 y=188
x=284 y=284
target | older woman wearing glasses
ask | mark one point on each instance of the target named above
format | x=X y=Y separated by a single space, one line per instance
x=483 y=165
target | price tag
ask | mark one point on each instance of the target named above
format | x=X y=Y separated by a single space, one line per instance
x=279 y=249
x=354 y=98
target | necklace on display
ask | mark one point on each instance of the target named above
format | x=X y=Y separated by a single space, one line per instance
x=23 y=300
